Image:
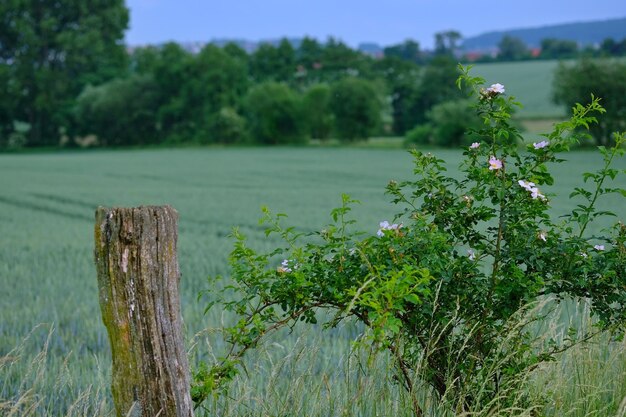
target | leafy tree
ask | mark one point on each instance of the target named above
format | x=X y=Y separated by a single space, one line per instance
x=610 y=47
x=558 y=49
x=225 y=126
x=405 y=94
x=286 y=56
x=235 y=51
x=144 y=60
x=448 y=124
x=356 y=107
x=171 y=73
x=215 y=80
x=409 y=50
x=453 y=123
x=402 y=79
x=7 y=106
x=339 y=61
x=415 y=90
x=573 y=83
x=120 y=112
x=193 y=89
x=419 y=135
x=446 y=42
x=512 y=49
x=436 y=85
x=55 y=48
x=274 y=114
x=273 y=63
x=317 y=112
x=263 y=63
x=309 y=53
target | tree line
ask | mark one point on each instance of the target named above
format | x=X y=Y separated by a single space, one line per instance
x=275 y=95
x=66 y=78
x=511 y=48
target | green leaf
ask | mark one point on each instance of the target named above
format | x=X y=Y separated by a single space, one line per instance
x=412 y=298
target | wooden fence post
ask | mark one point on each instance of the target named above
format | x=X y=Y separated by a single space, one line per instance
x=138 y=280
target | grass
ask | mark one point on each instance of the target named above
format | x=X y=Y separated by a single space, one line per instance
x=47 y=274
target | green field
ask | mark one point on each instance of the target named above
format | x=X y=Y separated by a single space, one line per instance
x=47 y=274
x=529 y=81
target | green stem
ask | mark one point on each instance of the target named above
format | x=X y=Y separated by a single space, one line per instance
x=599 y=183
x=496 y=255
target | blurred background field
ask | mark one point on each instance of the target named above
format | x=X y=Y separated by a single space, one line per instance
x=530 y=82
x=47 y=272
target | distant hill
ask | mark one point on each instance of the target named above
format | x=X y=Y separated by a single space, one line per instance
x=585 y=33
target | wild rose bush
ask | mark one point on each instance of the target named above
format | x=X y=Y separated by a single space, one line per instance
x=446 y=287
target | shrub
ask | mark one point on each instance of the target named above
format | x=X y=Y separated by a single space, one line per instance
x=419 y=135
x=121 y=112
x=7 y=105
x=356 y=108
x=602 y=78
x=449 y=287
x=214 y=80
x=453 y=121
x=317 y=113
x=226 y=126
x=449 y=124
x=274 y=115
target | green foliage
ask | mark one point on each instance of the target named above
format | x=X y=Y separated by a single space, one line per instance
x=446 y=42
x=274 y=114
x=273 y=63
x=7 y=107
x=235 y=51
x=512 y=49
x=303 y=372
x=412 y=89
x=436 y=86
x=453 y=122
x=558 y=48
x=340 y=61
x=611 y=47
x=409 y=50
x=356 y=107
x=226 y=126
x=215 y=80
x=53 y=49
x=573 y=84
x=309 y=53
x=419 y=135
x=403 y=80
x=194 y=91
x=449 y=124
x=120 y=112
x=169 y=66
x=449 y=288
x=317 y=112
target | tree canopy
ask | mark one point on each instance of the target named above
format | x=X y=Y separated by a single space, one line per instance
x=606 y=79
x=50 y=50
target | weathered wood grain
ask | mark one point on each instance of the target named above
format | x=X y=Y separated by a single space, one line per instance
x=138 y=278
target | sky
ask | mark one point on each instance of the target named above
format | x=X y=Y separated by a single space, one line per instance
x=353 y=21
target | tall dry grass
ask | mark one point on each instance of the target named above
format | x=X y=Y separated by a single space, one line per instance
x=297 y=377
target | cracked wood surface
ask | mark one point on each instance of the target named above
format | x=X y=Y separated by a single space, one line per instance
x=138 y=278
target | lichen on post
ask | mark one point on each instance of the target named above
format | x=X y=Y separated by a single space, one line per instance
x=138 y=277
